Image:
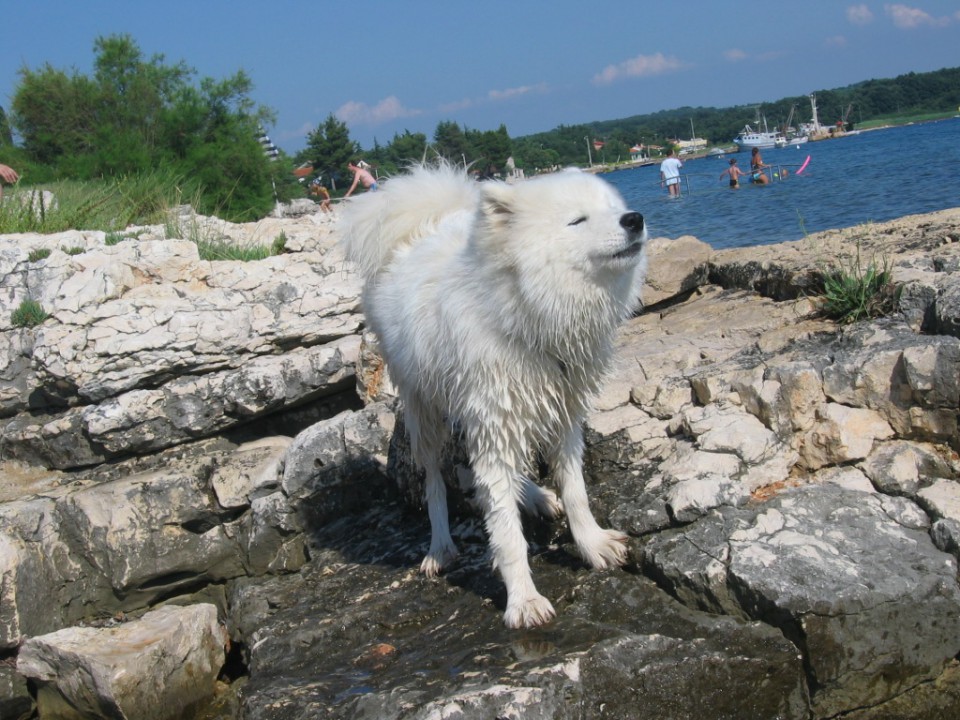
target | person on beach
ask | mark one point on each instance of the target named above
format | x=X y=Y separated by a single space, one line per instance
x=318 y=190
x=757 y=166
x=670 y=174
x=360 y=175
x=325 y=202
x=7 y=174
x=735 y=174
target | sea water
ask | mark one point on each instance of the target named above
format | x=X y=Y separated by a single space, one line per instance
x=868 y=177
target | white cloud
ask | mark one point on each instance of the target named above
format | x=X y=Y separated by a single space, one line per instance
x=640 y=66
x=515 y=92
x=859 y=14
x=835 y=41
x=457 y=105
x=735 y=55
x=295 y=134
x=384 y=111
x=492 y=96
x=907 y=17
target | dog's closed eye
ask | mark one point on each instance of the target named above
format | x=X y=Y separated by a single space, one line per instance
x=581 y=219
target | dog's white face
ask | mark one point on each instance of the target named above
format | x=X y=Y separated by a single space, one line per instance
x=570 y=224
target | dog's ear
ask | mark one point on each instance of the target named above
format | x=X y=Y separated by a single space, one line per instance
x=496 y=204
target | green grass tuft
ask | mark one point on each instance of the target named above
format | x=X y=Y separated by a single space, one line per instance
x=225 y=250
x=109 y=204
x=113 y=238
x=279 y=244
x=853 y=292
x=28 y=314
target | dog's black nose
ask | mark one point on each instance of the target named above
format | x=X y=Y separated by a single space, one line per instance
x=632 y=222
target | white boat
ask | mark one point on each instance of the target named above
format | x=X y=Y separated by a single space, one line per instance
x=763 y=139
x=783 y=142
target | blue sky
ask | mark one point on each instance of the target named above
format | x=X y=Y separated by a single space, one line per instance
x=386 y=67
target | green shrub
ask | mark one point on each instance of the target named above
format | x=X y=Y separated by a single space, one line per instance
x=28 y=314
x=38 y=254
x=74 y=250
x=854 y=292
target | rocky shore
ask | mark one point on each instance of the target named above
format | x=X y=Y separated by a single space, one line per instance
x=207 y=508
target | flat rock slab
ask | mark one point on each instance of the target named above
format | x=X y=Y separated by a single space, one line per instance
x=359 y=633
x=853 y=578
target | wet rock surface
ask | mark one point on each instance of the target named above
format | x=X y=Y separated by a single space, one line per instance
x=384 y=642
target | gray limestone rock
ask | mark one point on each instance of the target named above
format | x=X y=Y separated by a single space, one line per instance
x=852 y=578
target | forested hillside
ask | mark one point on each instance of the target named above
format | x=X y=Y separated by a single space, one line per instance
x=910 y=94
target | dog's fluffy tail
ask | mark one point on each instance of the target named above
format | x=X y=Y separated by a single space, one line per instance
x=408 y=207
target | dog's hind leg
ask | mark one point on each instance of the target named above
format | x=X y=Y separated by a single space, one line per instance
x=427 y=433
x=539 y=501
x=599 y=547
x=497 y=491
x=442 y=549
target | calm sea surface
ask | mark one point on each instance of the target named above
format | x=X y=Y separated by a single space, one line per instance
x=870 y=177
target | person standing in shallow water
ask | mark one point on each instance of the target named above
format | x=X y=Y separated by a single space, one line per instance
x=670 y=174
x=735 y=174
x=756 y=167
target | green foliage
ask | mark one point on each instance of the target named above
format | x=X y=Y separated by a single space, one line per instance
x=285 y=184
x=489 y=148
x=404 y=149
x=38 y=254
x=479 y=149
x=853 y=292
x=28 y=314
x=450 y=142
x=74 y=250
x=329 y=147
x=136 y=115
x=6 y=135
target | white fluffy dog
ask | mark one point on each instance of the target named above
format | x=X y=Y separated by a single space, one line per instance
x=495 y=307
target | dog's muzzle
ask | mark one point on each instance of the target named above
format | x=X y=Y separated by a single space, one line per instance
x=632 y=222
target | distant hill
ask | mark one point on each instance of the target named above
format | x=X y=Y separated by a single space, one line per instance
x=910 y=94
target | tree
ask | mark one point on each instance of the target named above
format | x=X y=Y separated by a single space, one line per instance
x=450 y=143
x=330 y=148
x=136 y=115
x=407 y=148
x=6 y=136
x=55 y=114
x=491 y=147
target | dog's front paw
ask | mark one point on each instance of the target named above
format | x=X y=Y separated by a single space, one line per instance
x=529 y=612
x=438 y=559
x=604 y=548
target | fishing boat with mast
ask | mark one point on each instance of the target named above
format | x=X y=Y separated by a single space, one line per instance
x=750 y=138
x=791 y=136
